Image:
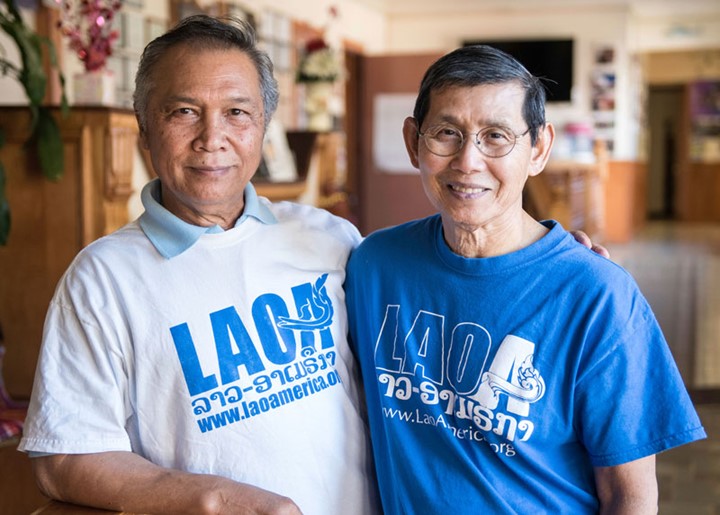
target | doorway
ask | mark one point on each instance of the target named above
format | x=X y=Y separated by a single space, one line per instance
x=664 y=122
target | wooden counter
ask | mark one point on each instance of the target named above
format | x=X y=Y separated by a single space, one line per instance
x=18 y=491
x=61 y=508
x=571 y=192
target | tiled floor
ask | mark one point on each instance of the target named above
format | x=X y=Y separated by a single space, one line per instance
x=689 y=476
x=678 y=269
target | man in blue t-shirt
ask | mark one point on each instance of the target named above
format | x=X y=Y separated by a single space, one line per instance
x=506 y=368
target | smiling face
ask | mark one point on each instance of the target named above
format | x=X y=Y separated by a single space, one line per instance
x=204 y=130
x=475 y=193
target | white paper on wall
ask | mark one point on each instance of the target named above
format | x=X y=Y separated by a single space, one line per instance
x=389 y=112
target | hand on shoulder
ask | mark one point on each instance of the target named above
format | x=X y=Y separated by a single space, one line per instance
x=582 y=238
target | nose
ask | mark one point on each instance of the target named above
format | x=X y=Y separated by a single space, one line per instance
x=469 y=158
x=211 y=135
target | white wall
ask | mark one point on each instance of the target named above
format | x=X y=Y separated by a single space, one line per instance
x=632 y=28
x=677 y=25
x=10 y=90
x=356 y=22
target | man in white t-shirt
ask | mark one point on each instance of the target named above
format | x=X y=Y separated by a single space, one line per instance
x=196 y=361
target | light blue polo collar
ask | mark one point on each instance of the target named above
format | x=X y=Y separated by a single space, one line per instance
x=172 y=236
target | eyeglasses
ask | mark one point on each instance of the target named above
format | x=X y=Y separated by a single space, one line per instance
x=447 y=140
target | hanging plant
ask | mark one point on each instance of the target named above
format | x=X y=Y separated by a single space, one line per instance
x=45 y=137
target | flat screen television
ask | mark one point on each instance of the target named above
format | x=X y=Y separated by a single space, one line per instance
x=548 y=58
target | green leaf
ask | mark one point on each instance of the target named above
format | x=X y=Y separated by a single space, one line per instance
x=34 y=78
x=32 y=75
x=64 y=105
x=8 y=68
x=45 y=134
x=49 y=145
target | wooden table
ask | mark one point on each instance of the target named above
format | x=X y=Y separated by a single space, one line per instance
x=18 y=491
x=61 y=508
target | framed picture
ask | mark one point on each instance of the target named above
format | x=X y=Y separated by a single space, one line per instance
x=278 y=159
x=602 y=83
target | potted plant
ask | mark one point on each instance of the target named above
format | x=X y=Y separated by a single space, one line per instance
x=88 y=26
x=45 y=137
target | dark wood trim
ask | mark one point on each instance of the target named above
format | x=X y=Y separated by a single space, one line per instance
x=705 y=395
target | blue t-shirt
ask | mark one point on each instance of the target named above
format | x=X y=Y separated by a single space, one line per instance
x=495 y=385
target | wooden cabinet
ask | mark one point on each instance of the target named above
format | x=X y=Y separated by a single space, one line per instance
x=52 y=221
x=697 y=178
x=606 y=199
x=573 y=193
x=625 y=200
x=321 y=165
x=697 y=192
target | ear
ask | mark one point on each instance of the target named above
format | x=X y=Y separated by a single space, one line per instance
x=541 y=150
x=142 y=138
x=412 y=140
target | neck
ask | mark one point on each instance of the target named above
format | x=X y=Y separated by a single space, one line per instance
x=494 y=239
x=209 y=217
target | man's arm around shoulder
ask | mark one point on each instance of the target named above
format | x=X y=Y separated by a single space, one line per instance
x=123 y=481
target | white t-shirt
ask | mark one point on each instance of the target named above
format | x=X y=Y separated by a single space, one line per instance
x=230 y=358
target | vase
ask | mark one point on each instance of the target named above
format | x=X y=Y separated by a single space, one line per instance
x=319 y=101
x=95 y=87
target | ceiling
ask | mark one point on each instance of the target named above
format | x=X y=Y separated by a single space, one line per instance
x=400 y=7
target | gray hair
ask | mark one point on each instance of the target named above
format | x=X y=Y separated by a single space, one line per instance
x=206 y=33
x=476 y=65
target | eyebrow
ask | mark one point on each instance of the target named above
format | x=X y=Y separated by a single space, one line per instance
x=194 y=101
x=452 y=120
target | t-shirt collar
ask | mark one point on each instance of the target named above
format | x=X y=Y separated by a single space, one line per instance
x=172 y=236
